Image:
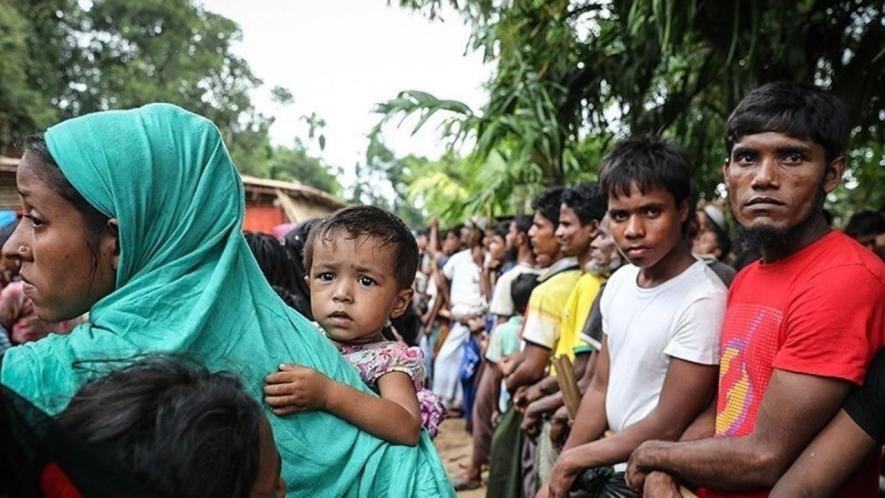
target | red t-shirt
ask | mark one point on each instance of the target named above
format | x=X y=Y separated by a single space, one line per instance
x=820 y=312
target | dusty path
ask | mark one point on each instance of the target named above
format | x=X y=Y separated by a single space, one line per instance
x=454 y=445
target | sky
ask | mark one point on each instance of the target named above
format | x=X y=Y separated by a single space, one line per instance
x=341 y=57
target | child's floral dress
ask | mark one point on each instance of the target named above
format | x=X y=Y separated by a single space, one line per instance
x=379 y=358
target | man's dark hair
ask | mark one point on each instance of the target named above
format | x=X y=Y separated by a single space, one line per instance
x=648 y=163
x=865 y=223
x=548 y=203
x=375 y=223
x=521 y=289
x=294 y=242
x=523 y=223
x=454 y=231
x=179 y=429
x=587 y=200
x=500 y=228
x=474 y=236
x=273 y=259
x=795 y=109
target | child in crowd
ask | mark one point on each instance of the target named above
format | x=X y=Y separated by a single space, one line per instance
x=505 y=340
x=162 y=426
x=361 y=262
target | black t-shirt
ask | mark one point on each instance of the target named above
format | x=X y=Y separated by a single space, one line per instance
x=593 y=324
x=866 y=405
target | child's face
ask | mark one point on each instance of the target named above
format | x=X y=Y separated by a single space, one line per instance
x=646 y=227
x=353 y=288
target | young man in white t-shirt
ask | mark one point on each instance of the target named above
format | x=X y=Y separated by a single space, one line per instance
x=519 y=247
x=661 y=318
x=466 y=303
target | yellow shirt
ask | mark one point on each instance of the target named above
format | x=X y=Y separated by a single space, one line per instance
x=574 y=316
x=543 y=317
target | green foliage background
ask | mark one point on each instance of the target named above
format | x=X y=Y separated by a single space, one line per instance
x=572 y=76
x=61 y=59
x=569 y=77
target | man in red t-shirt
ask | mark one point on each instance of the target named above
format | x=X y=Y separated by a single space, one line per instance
x=801 y=325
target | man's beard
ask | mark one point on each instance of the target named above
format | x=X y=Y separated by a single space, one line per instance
x=605 y=270
x=776 y=240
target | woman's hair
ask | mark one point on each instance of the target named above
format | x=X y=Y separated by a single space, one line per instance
x=179 y=429
x=51 y=175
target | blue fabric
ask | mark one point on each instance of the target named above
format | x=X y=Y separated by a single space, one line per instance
x=469 y=366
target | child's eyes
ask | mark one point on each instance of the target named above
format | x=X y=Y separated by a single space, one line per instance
x=325 y=276
x=368 y=282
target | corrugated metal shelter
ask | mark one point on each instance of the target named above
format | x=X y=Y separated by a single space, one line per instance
x=273 y=202
x=8 y=192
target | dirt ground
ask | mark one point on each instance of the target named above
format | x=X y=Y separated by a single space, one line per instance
x=454 y=446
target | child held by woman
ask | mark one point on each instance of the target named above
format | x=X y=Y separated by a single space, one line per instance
x=361 y=262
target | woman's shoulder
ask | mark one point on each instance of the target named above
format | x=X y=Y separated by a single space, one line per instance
x=36 y=371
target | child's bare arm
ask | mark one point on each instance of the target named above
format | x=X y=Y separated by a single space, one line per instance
x=395 y=417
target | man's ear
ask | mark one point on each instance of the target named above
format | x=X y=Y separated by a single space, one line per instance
x=593 y=226
x=833 y=174
x=403 y=300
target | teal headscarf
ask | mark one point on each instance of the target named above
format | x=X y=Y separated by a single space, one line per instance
x=187 y=283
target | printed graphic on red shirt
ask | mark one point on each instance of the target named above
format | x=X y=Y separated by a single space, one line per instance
x=749 y=343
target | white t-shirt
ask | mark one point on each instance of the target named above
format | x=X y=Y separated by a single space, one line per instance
x=465 y=294
x=502 y=300
x=644 y=328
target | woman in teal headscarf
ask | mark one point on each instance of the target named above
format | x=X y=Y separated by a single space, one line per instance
x=135 y=217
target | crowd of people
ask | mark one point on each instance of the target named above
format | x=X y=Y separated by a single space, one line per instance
x=614 y=342
x=684 y=377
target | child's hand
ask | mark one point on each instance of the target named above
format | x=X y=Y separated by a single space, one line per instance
x=296 y=389
x=507 y=364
